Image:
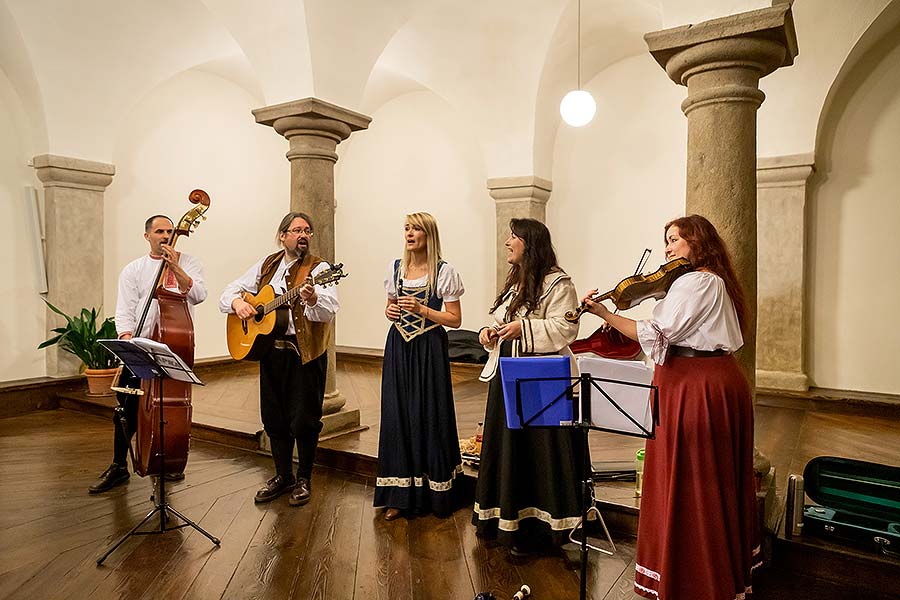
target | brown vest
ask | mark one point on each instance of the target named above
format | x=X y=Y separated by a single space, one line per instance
x=312 y=336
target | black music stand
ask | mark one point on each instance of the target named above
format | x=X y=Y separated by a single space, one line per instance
x=149 y=359
x=583 y=421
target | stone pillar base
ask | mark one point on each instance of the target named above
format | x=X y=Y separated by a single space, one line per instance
x=345 y=421
x=782 y=380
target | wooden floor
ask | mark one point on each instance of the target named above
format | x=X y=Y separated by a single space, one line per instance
x=337 y=546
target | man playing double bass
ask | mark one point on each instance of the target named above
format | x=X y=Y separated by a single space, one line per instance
x=292 y=373
x=184 y=275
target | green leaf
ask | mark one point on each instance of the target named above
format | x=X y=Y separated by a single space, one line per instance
x=81 y=337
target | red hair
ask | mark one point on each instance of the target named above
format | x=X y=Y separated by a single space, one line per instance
x=708 y=252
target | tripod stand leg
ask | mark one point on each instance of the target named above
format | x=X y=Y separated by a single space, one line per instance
x=112 y=548
x=211 y=538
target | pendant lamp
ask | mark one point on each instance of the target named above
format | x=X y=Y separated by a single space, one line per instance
x=578 y=107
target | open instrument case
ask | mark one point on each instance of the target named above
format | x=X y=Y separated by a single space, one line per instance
x=857 y=502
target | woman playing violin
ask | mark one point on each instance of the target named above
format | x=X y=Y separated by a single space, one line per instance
x=697 y=536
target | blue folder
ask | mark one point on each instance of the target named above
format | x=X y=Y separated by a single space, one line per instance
x=536 y=394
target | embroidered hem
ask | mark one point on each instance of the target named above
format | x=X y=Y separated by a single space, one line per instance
x=486 y=514
x=405 y=482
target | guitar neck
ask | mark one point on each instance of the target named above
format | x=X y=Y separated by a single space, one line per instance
x=285 y=298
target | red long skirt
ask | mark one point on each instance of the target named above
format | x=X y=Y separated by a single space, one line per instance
x=697 y=536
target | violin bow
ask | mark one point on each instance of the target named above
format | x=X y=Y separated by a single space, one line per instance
x=645 y=256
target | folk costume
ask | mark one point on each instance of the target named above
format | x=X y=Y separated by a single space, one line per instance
x=292 y=373
x=527 y=493
x=418 y=446
x=697 y=536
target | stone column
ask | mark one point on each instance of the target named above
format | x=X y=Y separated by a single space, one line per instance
x=73 y=216
x=721 y=62
x=314 y=129
x=519 y=198
x=781 y=326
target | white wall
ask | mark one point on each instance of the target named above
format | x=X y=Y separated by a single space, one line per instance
x=619 y=179
x=855 y=218
x=113 y=98
x=196 y=131
x=417 y=155
x=22 y=327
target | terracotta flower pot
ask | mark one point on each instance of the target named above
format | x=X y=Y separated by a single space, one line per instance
x=99 y=381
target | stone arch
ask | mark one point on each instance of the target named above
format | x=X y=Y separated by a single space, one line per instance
x=853 y=217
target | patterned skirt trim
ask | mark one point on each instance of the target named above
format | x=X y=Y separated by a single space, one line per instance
x=434 y=486
x=563 y=524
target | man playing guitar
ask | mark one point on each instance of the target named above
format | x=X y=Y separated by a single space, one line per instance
x=292 y=371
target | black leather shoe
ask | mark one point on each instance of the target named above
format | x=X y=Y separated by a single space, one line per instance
x=274 y=488
x=301 y=493
x=113 y=475
x=174 y=476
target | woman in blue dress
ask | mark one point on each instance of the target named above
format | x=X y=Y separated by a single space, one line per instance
x=418 y=446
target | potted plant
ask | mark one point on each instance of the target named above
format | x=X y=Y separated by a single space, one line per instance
x=80 y=336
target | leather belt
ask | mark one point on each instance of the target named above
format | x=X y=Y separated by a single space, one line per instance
x=281 y=344
x=692 y=353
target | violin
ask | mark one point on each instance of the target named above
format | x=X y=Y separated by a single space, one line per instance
x=633 y=290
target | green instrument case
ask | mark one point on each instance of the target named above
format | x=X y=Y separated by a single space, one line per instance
x=857 y=502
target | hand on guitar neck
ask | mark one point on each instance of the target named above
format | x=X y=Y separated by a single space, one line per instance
x=308 y=292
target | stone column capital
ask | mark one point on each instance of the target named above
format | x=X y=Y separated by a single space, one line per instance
x=313 y=127
x=75 y=173
x=516 y=189
x=760 y=40
x=784 y=171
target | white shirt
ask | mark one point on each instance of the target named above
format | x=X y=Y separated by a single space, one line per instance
x=697 y=313
x=449 y=283
x=135 y=283
x=324 y=310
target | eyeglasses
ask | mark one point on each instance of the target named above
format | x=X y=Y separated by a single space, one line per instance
x=299 y=230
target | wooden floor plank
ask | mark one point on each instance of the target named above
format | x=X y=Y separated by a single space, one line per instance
x=327 y=565
x=439 y=567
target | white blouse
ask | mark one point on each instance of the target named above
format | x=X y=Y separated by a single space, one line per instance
x=697 y=313
x=449 y=283
x=136 y=284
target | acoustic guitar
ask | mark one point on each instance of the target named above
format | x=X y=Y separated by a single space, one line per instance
x=249 y=339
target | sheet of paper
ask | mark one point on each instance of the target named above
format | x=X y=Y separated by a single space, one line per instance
x=632 y=399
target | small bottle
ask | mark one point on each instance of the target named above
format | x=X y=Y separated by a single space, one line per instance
x=639 y=472
x=479 y=437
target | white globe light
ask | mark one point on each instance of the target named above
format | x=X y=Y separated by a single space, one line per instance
x=577 y=108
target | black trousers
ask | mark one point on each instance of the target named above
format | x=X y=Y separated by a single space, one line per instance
x=129 y=402
x=290 y=398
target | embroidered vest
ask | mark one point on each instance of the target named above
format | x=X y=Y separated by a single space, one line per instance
x=411 y=325
x=312 y=336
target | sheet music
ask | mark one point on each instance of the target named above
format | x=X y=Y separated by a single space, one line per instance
x=148 y=358
x=633 y=399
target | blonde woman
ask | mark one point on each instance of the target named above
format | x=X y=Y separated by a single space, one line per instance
x=418 y=447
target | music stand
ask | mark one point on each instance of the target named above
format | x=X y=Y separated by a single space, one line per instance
x=636 y=426
x=149 y=359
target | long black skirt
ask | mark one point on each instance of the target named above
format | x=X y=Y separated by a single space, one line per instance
x=528 y=482
x=418 y=446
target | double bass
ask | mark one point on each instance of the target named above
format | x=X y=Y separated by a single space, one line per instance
x=176 y=330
